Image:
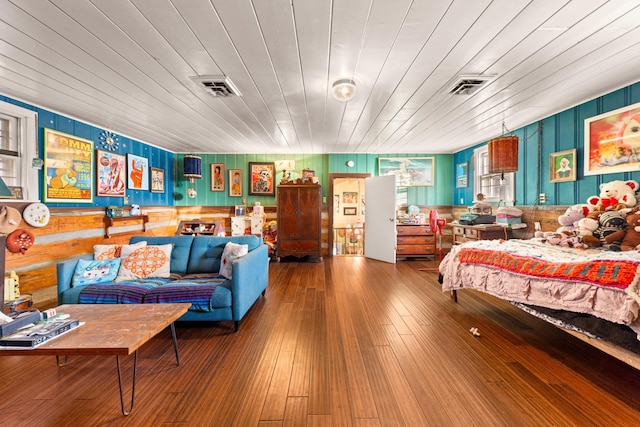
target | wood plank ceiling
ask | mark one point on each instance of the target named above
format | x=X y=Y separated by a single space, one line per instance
x=128 y=66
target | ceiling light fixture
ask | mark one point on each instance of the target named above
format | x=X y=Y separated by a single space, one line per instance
x=344 y=89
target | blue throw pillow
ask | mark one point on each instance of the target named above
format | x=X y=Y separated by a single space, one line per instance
x=90 y=272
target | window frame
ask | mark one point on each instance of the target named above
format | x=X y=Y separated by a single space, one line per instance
x=503 y=191
x=27 y=133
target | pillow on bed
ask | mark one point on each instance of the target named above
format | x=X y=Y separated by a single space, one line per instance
x=232 y=251
x=90 y=272
x=145 y=262
x=113 y=251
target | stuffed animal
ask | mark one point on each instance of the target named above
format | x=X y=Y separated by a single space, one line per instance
x=629 y=239
x=615 y=195
x=610 y=222
x=135 y=210
x=585 y=228
x=572 y=215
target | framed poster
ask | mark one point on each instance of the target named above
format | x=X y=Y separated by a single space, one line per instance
x=137 y=172
x=612 y=141
x=68 y=168
x=350 y=210
x=562 y=166
x=462 y=175
x=111 y=174
x=217 y=176
x=235 y=182
x=261 y=179
x=157 y=180
x=409 y=171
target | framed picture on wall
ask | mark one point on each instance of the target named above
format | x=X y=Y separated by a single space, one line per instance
x=111 y=176
x=217 y=176
x=157 y=180
x=68 y=168
x=612 y=141
x=562 y=166
x=350 y=210
x=261 y=179
x=462 y=175
x=235 y=182
x=409 y=171
x=137 y=172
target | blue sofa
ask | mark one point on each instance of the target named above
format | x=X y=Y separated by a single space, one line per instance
x=196 y=260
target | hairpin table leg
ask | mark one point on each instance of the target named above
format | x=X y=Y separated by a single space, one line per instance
x=175 y=343
x=133 y=383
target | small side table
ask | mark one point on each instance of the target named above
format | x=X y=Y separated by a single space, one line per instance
x=21 y=303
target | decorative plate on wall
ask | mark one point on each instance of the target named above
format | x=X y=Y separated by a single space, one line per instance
x=36 y=215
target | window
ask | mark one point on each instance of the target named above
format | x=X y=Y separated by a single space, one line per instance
x=491 y=185
x=18 y=142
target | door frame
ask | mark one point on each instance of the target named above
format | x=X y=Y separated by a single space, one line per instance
x=333 y=176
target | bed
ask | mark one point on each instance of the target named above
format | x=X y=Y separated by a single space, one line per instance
x=591 y=293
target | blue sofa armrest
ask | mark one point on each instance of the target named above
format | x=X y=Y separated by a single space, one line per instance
x=250 y=279
x=64 y=274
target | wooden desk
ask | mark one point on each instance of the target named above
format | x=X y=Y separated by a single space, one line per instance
x=466 y=233
x=110 y=329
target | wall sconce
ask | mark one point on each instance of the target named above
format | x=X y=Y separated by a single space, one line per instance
x=285 y=166
x=503 y=153
x=344 y=89
x=192 y=170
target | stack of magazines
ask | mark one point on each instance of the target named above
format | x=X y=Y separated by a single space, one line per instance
x=36 y=331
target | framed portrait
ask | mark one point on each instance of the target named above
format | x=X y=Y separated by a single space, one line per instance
x=68 y=168
x=462 y=175
x=137 y=172
x=409 y=171
x=235 y=182
x=111 y=176
x=562 y=166
x=261 y=179
x=157 y=180
x=217 y=176
x=350 y=210
x=241 y=210
x=612 y=141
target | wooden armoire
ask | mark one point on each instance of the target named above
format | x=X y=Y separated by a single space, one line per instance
x=299 y=223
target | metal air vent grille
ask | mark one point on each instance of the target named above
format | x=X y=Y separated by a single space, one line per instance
x=219 y=86
x=467 y=85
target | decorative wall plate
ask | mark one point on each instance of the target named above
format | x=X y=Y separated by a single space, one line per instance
x=36 y=215
x=109 y=140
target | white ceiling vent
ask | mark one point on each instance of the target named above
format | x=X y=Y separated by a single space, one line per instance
x=219 y=86
x=467 y=85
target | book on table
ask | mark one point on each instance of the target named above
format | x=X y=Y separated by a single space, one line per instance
x=38 y=333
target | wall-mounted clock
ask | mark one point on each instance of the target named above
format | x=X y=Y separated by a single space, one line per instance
x=109 y=140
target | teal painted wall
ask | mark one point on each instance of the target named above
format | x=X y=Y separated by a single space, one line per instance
x=157 y=158
x=323 y=164
x=559 y=132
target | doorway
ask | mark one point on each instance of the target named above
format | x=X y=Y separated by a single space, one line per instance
x=346 y=213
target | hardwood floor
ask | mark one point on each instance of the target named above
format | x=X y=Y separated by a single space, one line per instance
x=345 y=342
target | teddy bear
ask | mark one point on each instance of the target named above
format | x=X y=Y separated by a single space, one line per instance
x=585 y=228
x=615 y=195
x=629 y=239
x=609 y=222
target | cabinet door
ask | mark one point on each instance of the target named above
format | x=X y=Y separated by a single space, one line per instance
x=308 y=219
x=287 y=213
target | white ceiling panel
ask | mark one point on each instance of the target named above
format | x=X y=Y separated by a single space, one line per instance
x=129 y=66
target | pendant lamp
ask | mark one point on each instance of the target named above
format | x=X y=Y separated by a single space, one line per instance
x=503 y=154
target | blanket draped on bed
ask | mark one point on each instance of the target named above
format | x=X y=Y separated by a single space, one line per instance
x=597 y=282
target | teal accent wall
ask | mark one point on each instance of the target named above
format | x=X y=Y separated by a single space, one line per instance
x=323 y=164
x=157 y=158
x=562 y=131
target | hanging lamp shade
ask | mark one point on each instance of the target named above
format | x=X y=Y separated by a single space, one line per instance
x=192 y=167
x=503 y=154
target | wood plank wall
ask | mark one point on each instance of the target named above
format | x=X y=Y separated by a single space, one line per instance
x=73 y=232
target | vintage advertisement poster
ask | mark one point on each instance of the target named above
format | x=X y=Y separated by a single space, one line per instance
x=68 y=168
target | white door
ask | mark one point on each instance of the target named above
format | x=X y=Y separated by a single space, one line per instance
x=380 y=218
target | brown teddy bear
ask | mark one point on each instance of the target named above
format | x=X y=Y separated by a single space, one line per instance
x=630 y=237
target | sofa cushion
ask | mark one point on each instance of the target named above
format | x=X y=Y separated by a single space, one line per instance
x=146 y=262
x=179 y=253
x=206 y=251
x=95 y=271
x=231 y=252
x=111 y=251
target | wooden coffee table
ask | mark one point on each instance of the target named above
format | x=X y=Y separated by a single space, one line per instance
x=110 y=329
